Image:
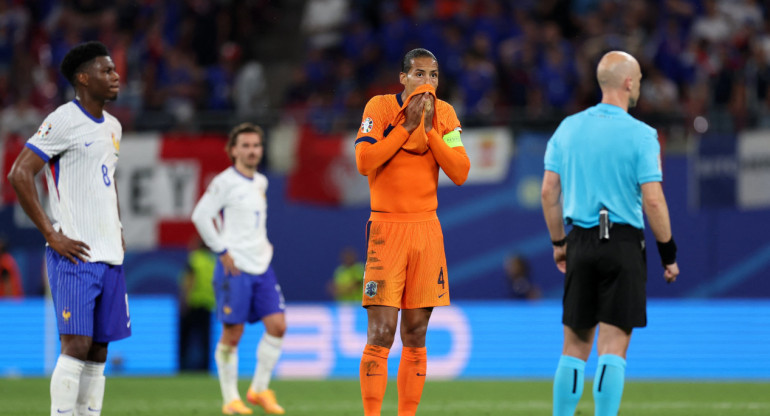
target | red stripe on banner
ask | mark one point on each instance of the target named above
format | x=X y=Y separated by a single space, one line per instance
x=312 y=179
x=208 y=150
x=13 y=146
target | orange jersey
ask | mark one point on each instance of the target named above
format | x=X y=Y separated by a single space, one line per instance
x=401 y=181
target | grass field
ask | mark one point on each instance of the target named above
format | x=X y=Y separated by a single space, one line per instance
x=199 y=395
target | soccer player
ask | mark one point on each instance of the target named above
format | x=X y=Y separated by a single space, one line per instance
x=79 y=145
x=606 y=165
x=246 y=286
x=403 y=141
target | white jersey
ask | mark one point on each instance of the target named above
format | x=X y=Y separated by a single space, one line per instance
x=241 y=201
x=82 y=153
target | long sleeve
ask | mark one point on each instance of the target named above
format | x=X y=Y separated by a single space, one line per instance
x=453 y=160
x=203 y=217
x=371 y=154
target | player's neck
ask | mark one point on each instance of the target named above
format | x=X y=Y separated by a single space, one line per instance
x=92 y=106
x=615 y=97
x=245 y=171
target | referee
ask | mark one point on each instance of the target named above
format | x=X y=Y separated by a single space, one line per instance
x=606 y=166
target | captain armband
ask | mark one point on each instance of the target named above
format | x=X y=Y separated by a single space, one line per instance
x=452 y=139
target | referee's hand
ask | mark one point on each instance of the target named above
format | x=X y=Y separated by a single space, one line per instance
x=671 y=272
x=560 y=258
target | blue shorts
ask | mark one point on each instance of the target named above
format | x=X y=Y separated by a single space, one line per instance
x=89 y=298
x=246 y=297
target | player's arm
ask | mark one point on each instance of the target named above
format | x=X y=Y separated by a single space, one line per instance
x=380 y=144
x=448 y=149
x=22 y=178
x=550 y=197
x=203 y=216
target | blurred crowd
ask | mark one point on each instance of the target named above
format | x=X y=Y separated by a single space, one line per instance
x=539 y=56
x=498 y=59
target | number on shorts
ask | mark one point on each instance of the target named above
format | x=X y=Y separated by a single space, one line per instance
x=441 y=278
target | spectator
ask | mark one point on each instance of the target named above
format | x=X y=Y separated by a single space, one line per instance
x=348 y=280
x=519 y=281
x=196 y=304
x=10 y=278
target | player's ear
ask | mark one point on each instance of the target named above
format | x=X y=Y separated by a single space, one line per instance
x=402 y=78
x=82 y=78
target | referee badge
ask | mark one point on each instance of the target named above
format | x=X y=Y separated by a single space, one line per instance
x=371 y=289
x=366 y=125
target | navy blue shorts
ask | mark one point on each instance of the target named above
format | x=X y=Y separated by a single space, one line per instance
x=246 y=297
x=89 y=298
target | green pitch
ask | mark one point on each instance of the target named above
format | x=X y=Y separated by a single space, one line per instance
x=199 y=395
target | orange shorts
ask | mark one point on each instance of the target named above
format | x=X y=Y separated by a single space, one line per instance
x=405 y=261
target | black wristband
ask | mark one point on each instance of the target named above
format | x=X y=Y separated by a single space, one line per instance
x=667 y=252
x=559 y=243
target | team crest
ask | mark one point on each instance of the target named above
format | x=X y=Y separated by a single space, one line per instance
x=66 y=314
x=115 y=144
x=370 y=289
x=366 y=125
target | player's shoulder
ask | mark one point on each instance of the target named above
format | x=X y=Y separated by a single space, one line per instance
x=383 y=102
x=441 y=104
x=645 y=130
x=109 y=118
x=63 y=112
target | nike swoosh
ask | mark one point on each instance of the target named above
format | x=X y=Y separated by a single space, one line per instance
x=442 y=294
x=128 y=325
x=420 y=375
x=374 y=374
x=89 y=143
x=93 y=410
x=64 y=411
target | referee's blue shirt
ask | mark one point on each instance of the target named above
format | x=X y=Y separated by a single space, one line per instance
x=603 y=156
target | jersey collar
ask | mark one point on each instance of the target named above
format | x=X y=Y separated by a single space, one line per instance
x=97 y=120
x=609 y=108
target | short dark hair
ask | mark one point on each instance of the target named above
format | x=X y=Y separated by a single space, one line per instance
x=232 y=137
x=406 y=64
x=80 y=55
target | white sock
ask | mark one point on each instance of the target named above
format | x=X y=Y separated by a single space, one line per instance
x=91 y=393
x=268 y=352
x=227 y=367
x=64 y=385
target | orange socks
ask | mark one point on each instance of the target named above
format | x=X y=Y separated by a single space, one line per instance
x=374 y=378
x=411 y=379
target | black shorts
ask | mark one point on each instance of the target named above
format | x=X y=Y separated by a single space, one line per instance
x=606 y=279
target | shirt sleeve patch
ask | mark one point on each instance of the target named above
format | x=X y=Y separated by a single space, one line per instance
x=366 y=125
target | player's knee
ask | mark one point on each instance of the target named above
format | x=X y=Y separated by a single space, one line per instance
x=277 y=330
x=98 y=352
x=76 y=347
x=381 y=335
x=414 y=335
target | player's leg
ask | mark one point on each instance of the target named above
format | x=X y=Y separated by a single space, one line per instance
x=387 y=246
x=112 y=322
x=612 y=346
x=579 y=319
x=622 y=307
x=427 y=286
x=570 y=372
x=74 y=288
x=268 y=305
x=412 y=369
x=92 y=382
x=233 y=297
x=373 y=372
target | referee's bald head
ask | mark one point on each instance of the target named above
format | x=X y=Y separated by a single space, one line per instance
x=614 y=68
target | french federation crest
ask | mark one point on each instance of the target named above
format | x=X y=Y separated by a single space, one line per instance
x=366 y=125
x=370 y=289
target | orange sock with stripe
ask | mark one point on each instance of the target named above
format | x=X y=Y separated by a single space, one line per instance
x=374 y=378
x=411 y=379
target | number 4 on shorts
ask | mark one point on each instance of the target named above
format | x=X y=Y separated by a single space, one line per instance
x=441 y=278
